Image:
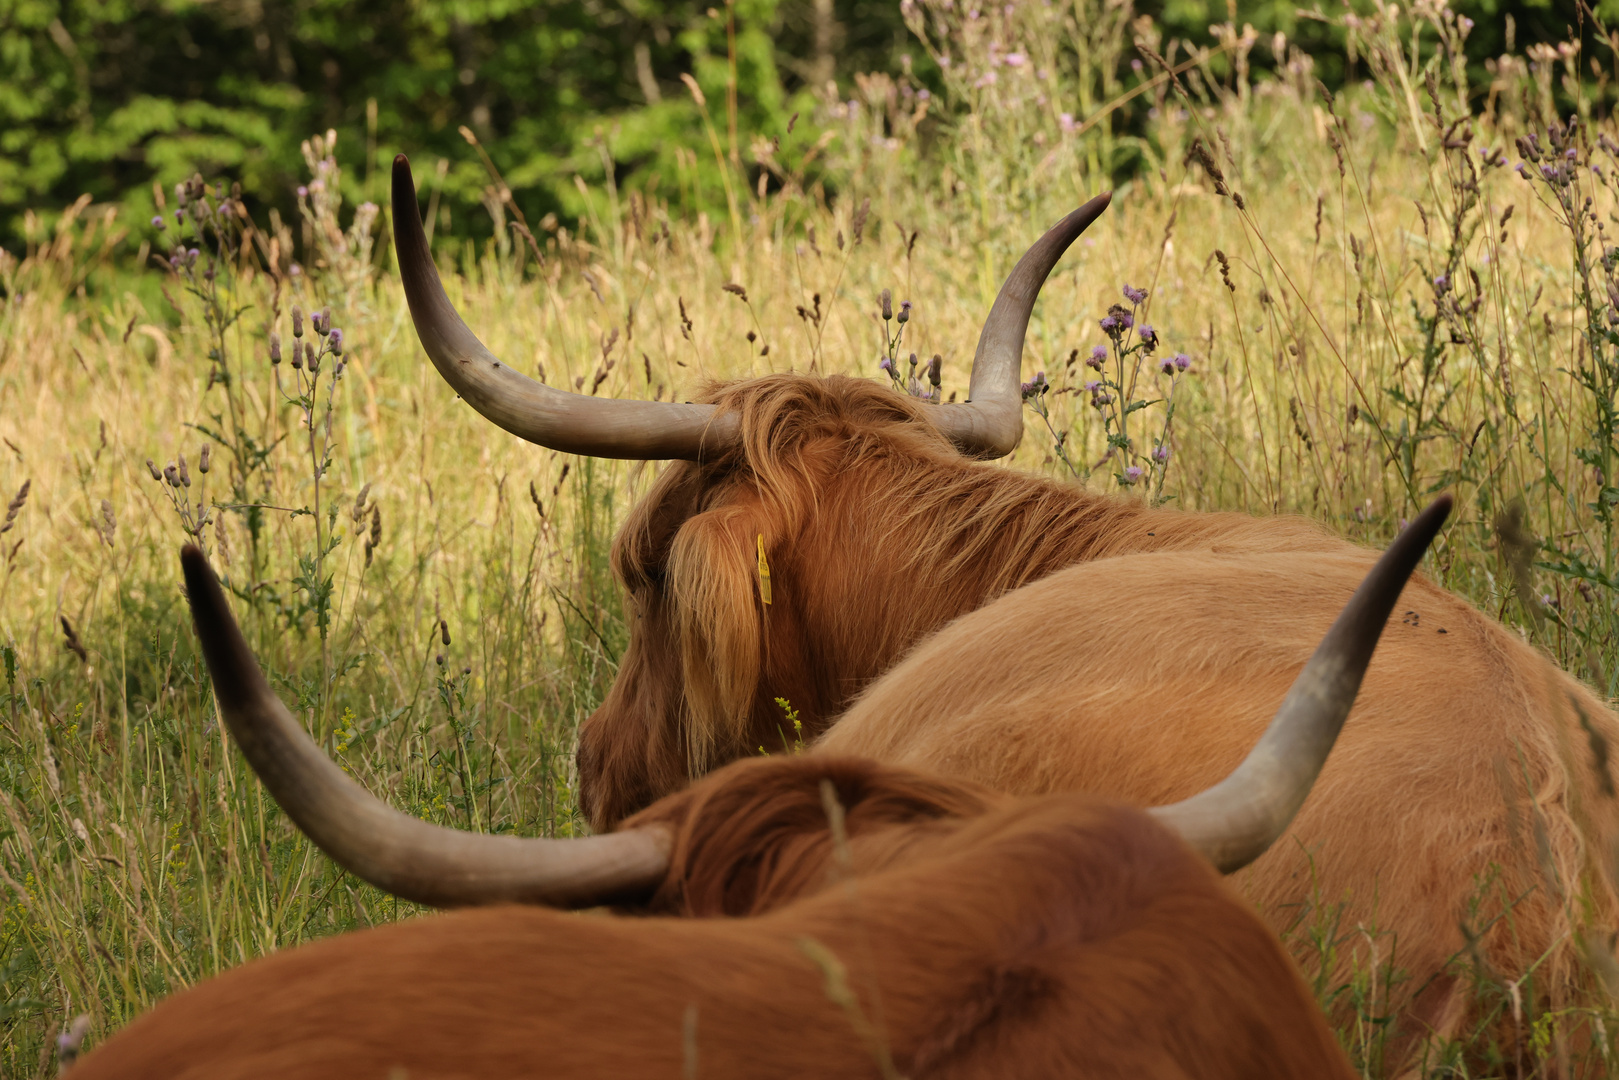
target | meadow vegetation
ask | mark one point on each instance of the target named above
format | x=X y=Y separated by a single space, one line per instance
x=1358 y=300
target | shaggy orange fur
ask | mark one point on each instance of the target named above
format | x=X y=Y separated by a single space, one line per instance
x=877 y=532
x=1061 y=936
x=1466 y=767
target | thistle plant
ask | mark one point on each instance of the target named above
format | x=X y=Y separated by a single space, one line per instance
x=1564 y=178
x=1114 y=395
x=893 y=333
x=312 y=357
x=175 y=479
x=210 y=229
x=344 y=256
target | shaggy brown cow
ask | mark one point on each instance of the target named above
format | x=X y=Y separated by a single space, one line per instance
x=812 y=466
x=860 y=576
x=1463 y=797
x=1157 y=972
x=904 y=922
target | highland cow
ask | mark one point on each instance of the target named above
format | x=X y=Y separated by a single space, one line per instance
x=807 y=467
x=1467 y=816
x=897 y=921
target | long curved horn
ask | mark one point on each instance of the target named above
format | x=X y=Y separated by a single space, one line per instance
x=990 y=423
x=595 y=427
x=1235 y=821
x=393 y=851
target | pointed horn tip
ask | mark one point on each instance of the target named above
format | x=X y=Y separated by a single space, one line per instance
x=194 y=564
x=1426 y=525
x=403 y=180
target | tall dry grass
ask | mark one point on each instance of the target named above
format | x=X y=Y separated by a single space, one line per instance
x=1373 y=302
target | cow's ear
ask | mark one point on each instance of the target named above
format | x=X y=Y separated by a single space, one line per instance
x=715 y=606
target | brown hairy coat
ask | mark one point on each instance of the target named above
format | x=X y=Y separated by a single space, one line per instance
x=1465 y=769
x=877 y=532
x=1061 y=936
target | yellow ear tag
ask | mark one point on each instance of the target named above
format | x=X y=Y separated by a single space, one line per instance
x=764 y=572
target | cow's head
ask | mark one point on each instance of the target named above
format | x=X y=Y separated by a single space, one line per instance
x=821 y=475
x=736 y=842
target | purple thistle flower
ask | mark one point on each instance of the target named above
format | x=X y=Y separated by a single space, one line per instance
x=904 y=312
x=886 y=364
x=1133 y=474
x=1135 y=296
x=1093 y=386
x=303 y=192
x=1149 y=336
x=1167 y=365
x=336 y=339
x=1109 y=324
x=159 y=224
x=1182 y=361
x=1035 y=386
x=1160 y=453
x=1441 y=284
x=1098 y=357
x=179 y=216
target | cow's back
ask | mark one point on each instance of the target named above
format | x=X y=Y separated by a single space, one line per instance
x=1149 y=677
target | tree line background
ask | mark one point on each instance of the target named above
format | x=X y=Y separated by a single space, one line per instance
x=106 y=97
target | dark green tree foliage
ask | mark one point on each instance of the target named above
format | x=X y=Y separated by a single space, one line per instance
x=105 y=96
x=1500 y=26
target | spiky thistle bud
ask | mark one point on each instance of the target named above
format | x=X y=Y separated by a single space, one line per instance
x=297 y=321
